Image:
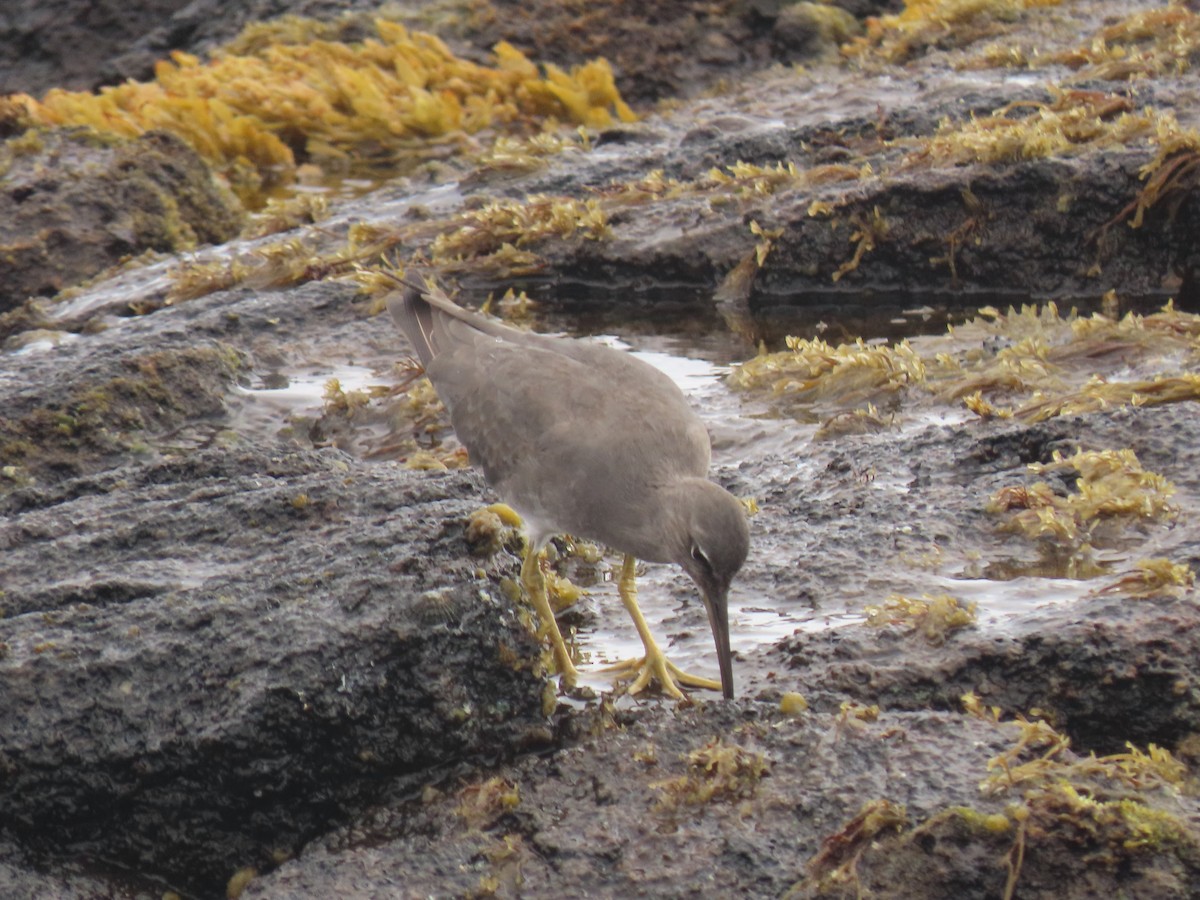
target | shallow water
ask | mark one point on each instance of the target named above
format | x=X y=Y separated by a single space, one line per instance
x=270 y=405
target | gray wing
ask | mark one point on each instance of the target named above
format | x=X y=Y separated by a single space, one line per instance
x=524 y=404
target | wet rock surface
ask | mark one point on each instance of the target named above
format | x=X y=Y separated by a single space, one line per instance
x=572 y=825
x=82 y=46
x=237 y=636
x=671 y=49
x=1062 y=662
x=76 y=203
x=1105 y=669
x=236 y=650
x=223 y=654
x=66 y=44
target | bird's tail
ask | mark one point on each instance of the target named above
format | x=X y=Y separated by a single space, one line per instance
x=433 y=322
x=415 y=317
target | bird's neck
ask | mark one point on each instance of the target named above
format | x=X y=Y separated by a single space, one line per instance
x=663 y=520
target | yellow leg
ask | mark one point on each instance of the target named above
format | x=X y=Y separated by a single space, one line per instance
x=655 y=664
x=535 y=585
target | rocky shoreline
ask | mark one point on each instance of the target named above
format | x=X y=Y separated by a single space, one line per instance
x=245 y=649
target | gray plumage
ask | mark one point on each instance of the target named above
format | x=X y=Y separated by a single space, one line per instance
x=583 y=439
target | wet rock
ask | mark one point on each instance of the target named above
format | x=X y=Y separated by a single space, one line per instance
x=1049 y=227
x=609 y=814
x=75 y=203
x=671 y=49
x=1107 y=671
x=77 y=420
x=229 y=645
x=806 y=30
x=962 y=236
x=81 y=46
x=21 y=878
x=211 y=649
x=249 y=646
x=74 y=41
x=603 y=814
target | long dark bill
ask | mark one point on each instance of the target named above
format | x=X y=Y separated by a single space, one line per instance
x=718 y=621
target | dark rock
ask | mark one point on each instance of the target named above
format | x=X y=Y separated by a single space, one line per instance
x=1106 y=671
x=249 y=646
x=68 y=43
x=232 y=640
x=80 y=45
x=75 y=203
x=806 y=30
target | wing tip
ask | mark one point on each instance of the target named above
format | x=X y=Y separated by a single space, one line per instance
x=410 y=312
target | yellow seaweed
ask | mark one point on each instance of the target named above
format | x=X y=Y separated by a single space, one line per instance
x=934 y=617
x=250 y=113
x=925 y=23
x=719 y=770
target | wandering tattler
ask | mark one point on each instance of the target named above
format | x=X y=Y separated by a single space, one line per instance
x=584 y=439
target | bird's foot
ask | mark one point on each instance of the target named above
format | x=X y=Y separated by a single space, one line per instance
x=561 y=663
x=656 y=666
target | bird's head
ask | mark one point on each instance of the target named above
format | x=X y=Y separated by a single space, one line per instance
x=711 y=546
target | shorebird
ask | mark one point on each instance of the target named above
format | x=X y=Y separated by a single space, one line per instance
x=583 y=439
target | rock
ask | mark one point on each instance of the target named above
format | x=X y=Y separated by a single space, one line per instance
x=806 y=30
x=741 y=798
x=226 y=671
x=212 y=648
x=81 y=46
x=238 y=640
x=74 y=40
x=1108 y=671
x=75 y=203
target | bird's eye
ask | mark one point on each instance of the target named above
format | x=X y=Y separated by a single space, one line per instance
x=698 y=556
